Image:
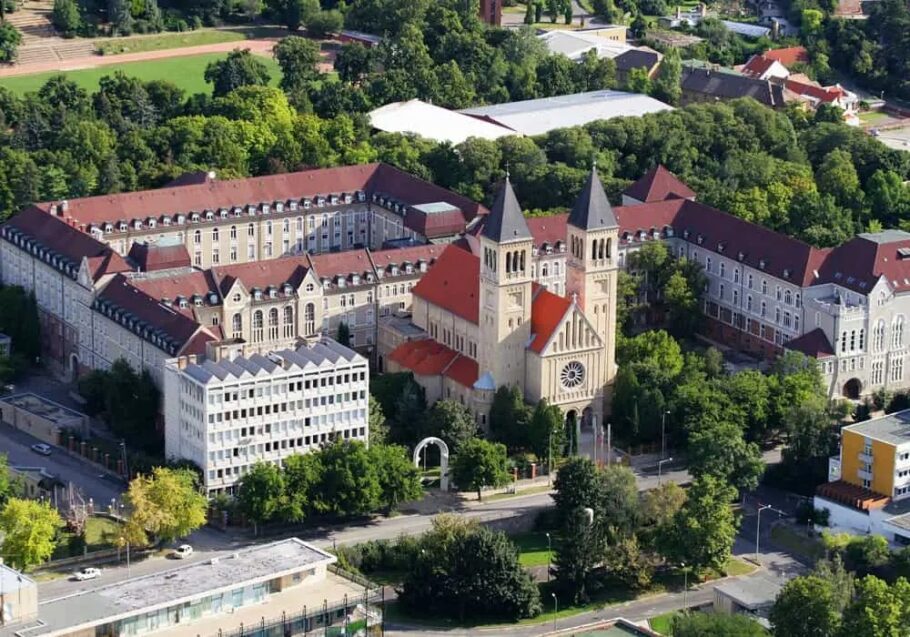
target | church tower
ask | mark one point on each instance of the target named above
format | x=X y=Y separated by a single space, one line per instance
x=505 y=291
x=593 y=236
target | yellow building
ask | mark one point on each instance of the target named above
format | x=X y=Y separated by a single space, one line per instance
x=869 y=480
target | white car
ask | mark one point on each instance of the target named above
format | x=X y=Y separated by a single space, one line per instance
x=43 y=449
x=90 y=572
x=182 y=552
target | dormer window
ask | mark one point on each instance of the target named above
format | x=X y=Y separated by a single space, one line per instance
x=668 y=231
x=266 y=208
x=786 y=274
x=320 y=201
x=209 y=215
x=181 y=301
x=213 y=299
x=355 y=279
x=272 y=292
x=151 y=223
x=194 y=217
x=287 y=289
x=137 y=224
x=166 y=221
x=422 y=265
x=122 y=226
x=257 y=294
x=341 y=282
x=409 y=269
x=348 y=198
x=394 y=270
x=251 y=211
x=223 y=213
x=334 y=200
x=370 y=278
x=197 y=300
x=761 y=264
x=700 y=239
x=238 y=211
x=293 y=206
x=181 y=219
x=279 y=207
x=740 y=256
x=721 y=246
x=306 y=204
x=361 y=196
x=685 y=234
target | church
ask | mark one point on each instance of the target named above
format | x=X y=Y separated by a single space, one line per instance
x=488 y=314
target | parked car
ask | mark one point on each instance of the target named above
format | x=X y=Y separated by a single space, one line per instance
x=182 y=552
x=89 y=572
x=43 y=449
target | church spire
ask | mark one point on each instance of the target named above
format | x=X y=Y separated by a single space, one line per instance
x=506 y=222
x=592 y=210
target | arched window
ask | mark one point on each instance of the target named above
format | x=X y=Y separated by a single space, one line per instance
x=609 y=248
x=273 y=324
x=878 y=336
x=237 y=325
x=309 y=317
x=556 y=269
x=214 y=235
x=257 y=326
x=251 y=230
x=197 y=237
x=897 y=332
x=268 y=227
x=288 y=322
x=233 y=232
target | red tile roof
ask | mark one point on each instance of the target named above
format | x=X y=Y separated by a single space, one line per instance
x=425 y=357
x=547 y=311
x=185 y=284
x=150 y=257
x=453 y=283
x=814 y=344
x=463 y=371
x=64 y=241
x=382 y=259
x=789 y=55
x=859 y=263
x=261 y=274
x=215 y=194
x=658 y=184
x=757 y=65
x=345 y=263
x=852 y=495
x=824 y=94
x=548 y=230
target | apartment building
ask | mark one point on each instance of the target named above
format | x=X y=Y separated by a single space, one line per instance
x=869 y=480
x=225 y=413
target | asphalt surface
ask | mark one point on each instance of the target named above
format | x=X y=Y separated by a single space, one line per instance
x=94 y=484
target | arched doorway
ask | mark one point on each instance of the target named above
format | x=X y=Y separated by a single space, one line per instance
x=852 y=389
x=443 y=459
x=573 y=431
x=74 y=368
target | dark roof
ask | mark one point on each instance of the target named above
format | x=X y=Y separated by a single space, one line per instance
x=658 y=184
x=506 y=222
x=814 y=344
x=592 y=210
x=722 y=85
x=150 y=256
x=636 y=59
x=859 y=263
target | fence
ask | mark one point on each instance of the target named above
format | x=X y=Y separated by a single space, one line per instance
x=363 y=614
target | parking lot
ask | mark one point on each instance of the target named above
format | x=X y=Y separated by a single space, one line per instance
x=93 y=484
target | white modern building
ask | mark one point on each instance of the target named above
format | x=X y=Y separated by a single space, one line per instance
x=433 y=122
x=228 y=412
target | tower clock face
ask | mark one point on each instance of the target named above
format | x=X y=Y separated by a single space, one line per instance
x=572 y=375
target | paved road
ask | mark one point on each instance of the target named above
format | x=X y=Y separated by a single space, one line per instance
x=100 y=487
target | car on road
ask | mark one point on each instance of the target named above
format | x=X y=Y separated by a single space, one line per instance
x=89 y=572
x=182 y=552
x=43 y=449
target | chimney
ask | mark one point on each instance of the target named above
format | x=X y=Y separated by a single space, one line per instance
x=775 y=29
x=181 y=362
x=64 y=205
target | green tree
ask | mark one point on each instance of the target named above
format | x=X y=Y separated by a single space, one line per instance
x=638 y=81
x=10 y=39
x=806 y=606
x=547 y=431
x=28 y=529
x=877 y=610
x=302 y=476
x=716 y=625
x=577 y=486
x=480 y=463
x=721 y=451
x=298 y=58
x=451 y=421
x=354 y=62
x=293 y=13
x=579 y=551
x=350 y=484
x=703 y=530
x=658 y=509
x=509 y=418
x=238 y=69
x=261 y=493
x=667 y=87
x=399 y=480
x=120 y=16
x=343 y=336
x=66 y=17
x=379 y=431
x=323 y=24
x=409 y=408
x=166 y=504
x=630 y=563
x=461 y=571
x=837 y=176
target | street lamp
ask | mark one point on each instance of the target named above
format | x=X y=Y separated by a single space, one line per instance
x=758 y=526
x=663 y=433
x=549 y=556
x=660 y=465
x=555 y=610
x=685 y=587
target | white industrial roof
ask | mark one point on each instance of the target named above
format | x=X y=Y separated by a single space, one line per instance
x=536 y=117
x=746 y=29
x=432 y=122
x=574 y=44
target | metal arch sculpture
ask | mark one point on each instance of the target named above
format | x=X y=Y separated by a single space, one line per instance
x=443 y=459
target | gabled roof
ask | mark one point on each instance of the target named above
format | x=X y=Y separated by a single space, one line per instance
x=261 y=274
x=150 y=256
x=187 y=284
x=814 y=344
x=859 y=263
x=506 y=222
x=349 y=262
x=592 y=210
x=641 y=58
x=549 y=230
x=757 y=65
x=427 y=357
x=824 y=94
x=453 y=284
x=658 y=184
x=725 y=85
x=789 y=55
x=547 y=312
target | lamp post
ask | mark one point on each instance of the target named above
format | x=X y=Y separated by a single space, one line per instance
x=685 y=587
x=550 y=458
x=660 y=465
x=549 y=556
x=758 y=526
x=663 y=433
x=555 y=610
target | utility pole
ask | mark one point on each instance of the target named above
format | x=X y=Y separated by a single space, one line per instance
x=609 y=444
x=663 y=434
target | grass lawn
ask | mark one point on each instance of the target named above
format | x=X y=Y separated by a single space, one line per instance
x=873 y=117
x=100 y=533
x=520 y=492
x=662 y=623
x=797 y=542
x=186 y=72
x=532 y=548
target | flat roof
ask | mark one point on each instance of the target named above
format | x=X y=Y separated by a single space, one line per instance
x=167 y=588
x=12 y=580
x=535 y=117
x=433 y=122
x=752 y=593
x=893 y=429
x=44 y=407
x=435 y=207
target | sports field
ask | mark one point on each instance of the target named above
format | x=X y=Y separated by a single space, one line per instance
x=185 y=71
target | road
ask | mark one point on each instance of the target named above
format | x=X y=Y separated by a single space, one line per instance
x=93 y=484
